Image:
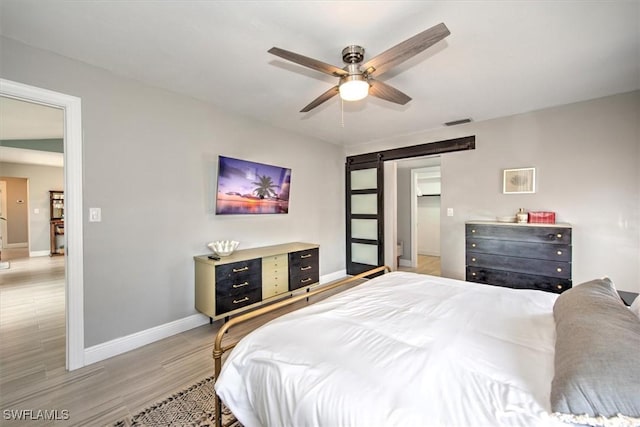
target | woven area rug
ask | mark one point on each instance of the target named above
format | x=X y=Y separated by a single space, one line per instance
x=193 y=406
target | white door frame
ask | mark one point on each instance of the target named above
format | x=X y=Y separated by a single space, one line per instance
x=3 y=212
x=74 y=285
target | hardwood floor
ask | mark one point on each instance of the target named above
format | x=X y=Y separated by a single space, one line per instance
x=32 y=358
x=426 y=265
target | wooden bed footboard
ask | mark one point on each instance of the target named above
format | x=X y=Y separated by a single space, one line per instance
x=219 y=349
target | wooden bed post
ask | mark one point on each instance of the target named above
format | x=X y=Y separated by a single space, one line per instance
x=219 y=350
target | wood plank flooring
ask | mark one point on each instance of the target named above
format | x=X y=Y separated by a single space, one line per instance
x=32 y=358
x=426 y=265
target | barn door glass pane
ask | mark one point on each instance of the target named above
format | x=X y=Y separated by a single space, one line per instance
x=364 y=204
x=364 y=254
x=364 y=229
x=364 y=179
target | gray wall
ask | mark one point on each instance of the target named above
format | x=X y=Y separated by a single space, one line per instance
x=149 y=163
x=587 y=162
x=404 y=211
x=41 y=180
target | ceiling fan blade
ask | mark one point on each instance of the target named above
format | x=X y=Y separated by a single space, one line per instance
x=322 y=98
x=323 y=67
x=388 y=93
x=405 y=50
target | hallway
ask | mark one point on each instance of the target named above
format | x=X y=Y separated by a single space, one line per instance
x=426 y=265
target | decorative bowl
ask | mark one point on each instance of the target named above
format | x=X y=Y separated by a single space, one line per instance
x=223 y=247
x=506 y=219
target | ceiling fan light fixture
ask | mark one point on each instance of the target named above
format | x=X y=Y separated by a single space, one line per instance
x=354 y=88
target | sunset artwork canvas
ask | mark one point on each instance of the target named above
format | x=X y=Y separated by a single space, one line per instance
x=246 y=187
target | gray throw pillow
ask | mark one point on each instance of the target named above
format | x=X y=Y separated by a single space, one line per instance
x=597 y=364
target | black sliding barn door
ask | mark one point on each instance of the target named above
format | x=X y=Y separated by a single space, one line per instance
x=365 y=215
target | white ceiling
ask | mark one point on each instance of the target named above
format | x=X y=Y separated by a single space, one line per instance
x=26 y=120
x=502 y=57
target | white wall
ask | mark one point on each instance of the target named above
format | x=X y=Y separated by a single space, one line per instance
x=149 y=163
x=41 y=180
x=428 y=227
x=587 y=162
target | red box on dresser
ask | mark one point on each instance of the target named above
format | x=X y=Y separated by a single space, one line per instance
x=542 y=217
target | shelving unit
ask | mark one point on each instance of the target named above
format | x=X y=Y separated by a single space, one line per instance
x=56 y=223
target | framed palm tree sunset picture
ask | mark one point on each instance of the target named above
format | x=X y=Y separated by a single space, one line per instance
x=246 y=187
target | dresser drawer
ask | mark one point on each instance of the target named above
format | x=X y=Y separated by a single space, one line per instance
x=233 y=302
x=275 y=275
x=238 y=277
x=555 y=252
x=303 y=258
x=560 y=270
x=517 y=280
x=559 y=235
x=275 y=261
x=303 y=268
x=238 y=270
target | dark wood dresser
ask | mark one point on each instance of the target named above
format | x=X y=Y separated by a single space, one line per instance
x=525 y=256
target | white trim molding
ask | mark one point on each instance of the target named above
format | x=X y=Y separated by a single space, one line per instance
x=34 y=254
x=130 y=342
x=74 y=273
x=16 y=245
x=341 y=274
x=121 y=345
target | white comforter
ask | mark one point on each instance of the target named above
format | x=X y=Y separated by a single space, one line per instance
x=400 y=350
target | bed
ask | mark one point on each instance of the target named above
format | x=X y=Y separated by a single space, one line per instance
x=402 y=349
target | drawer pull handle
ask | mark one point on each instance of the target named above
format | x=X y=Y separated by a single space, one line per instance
x=473 y=259
x=305 y=256
x=238 y=301
x=308 y=279
x=473 y=231
x=473 y=245
x=558 y=286
x=559 y=236
x=308 y=267
x=559 y=252
x=238 y=270
x=473 y=274
x=559 y=270
x=239 y=285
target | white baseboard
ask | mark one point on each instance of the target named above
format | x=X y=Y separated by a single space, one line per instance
x=16 y=245
x=333 y=276
x=428 y=253
x=39 y=253
x=121 y=345
x=405 y=263
x=118 y=346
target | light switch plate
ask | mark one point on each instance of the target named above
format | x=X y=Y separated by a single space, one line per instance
x=449 y=211
x=95 y=214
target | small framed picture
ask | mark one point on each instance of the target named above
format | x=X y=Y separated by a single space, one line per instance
x=519 y=181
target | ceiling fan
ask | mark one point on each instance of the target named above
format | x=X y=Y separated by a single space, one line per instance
x=356 y=81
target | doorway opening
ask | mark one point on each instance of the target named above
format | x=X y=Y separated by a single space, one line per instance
x=73 y=265
x=418 y=215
